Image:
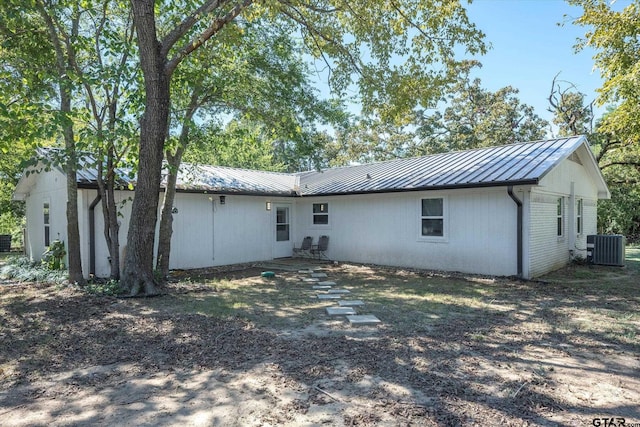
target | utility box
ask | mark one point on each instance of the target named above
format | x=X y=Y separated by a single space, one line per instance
x=606 y=249
x=5 y=242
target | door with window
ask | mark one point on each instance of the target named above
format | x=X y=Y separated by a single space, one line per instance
x=282 y=245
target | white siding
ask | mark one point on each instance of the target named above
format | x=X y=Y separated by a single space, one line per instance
x=51 y=187
x=384 y=229
x=547 y=251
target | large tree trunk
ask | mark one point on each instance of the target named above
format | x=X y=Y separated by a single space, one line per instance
x=166 y=220
x=73 y=232
x=106 y=190
x=138 y=266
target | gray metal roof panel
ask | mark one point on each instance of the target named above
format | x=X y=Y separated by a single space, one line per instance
x=520 y=163
x=514 y=163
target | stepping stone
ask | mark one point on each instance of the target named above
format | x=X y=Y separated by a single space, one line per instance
x=321 y=287
x=363 y=320
x=310 y=280
x=340 y=311
x=329 y=296
x=326 y=283
x=318 y=275
x=351 y=303
x=338 y=291
x=305 y=271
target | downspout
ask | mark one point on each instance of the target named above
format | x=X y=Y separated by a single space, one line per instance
x=92 y=236
x=519 y=238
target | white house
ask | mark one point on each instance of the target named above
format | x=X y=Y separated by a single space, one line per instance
x=521 y=209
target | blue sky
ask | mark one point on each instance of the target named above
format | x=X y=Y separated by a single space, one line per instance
x=529 y=48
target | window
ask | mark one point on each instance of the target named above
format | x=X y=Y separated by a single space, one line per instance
x=45 y=212
x=579 y=216
x=432 y=217
x=282 y=224
x=321 y=213
x=560 y=217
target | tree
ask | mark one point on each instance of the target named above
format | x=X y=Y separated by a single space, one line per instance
x=355 y=40
x=615 y=36
x=475 y=117
x=256 y=74
x=571 y=115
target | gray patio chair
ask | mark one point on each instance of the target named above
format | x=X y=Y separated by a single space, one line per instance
x=305 y=248
x=320 y=249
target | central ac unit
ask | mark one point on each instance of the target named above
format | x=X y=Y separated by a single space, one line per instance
x=606 y=249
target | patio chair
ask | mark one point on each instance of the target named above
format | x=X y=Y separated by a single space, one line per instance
x=320 y=249
x=305 y=248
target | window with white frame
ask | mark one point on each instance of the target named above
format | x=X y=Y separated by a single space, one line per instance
x=45 y=214
x=560 y=217
x=321 y=213
x=432 y=217
x=579 y=216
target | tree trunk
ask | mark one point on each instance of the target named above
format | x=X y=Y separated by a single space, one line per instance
x=166 y=220
x=138 y=266
x=73 y=232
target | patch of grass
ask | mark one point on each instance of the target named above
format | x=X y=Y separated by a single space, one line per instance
x=109 y=287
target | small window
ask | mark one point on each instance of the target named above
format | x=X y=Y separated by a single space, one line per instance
x=321 y=213
x=560 y=217
x=45 y=212
x=432 y=217
x=579 y=216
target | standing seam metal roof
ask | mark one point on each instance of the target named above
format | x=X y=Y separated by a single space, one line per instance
x=520 y=163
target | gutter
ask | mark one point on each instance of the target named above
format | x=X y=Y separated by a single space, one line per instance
x=92 y=235
x=519 y=239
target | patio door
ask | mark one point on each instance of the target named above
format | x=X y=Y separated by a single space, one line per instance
x=282 y=245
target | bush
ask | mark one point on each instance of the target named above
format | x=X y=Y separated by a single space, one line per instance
x=23 y=270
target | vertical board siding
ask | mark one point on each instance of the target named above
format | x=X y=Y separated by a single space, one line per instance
x=385 y=229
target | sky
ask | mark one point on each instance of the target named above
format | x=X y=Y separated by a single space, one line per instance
x=528 y=48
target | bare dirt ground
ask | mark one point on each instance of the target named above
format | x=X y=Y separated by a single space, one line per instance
x=453 y=350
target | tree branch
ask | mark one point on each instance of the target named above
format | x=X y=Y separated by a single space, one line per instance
x=216 y=26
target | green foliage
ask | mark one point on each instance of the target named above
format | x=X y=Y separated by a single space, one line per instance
x=53 y=258
x=23 y=270
x=613 y=33
x=109 y=287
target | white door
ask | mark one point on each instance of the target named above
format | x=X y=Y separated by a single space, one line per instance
x=282 y=245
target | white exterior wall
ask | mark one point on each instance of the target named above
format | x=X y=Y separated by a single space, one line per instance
x=548 y=251
x=46 y=187
x=480 y=230
x=206 y=233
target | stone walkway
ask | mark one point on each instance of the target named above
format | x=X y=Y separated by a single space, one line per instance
x=325 y=291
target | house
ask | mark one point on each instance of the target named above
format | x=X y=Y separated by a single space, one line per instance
x=521 y=209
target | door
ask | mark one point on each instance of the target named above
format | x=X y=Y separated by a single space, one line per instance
x=282 y=245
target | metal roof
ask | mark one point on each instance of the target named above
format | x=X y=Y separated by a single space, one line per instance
x=232 y=180
x=513 y=164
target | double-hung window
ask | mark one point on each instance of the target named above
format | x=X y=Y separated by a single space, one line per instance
x=46 y=220
x=560 y=217
x=432 y=217
x=579 y=217
x=321 y=214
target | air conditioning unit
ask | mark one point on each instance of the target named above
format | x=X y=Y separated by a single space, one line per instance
x=606 y=249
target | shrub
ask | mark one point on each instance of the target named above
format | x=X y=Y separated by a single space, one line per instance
x=23 y=270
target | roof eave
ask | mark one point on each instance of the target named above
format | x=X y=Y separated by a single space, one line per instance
x=430 y=188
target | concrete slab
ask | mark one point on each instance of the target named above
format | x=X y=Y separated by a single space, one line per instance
x=318 y=275
x=310 y=280
x=351 y=303
x=321 y=287
x=309 y=271
x=340 y=311
x=327 y=283
x=363 y=320
x=329 y=296
x=338 y=291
